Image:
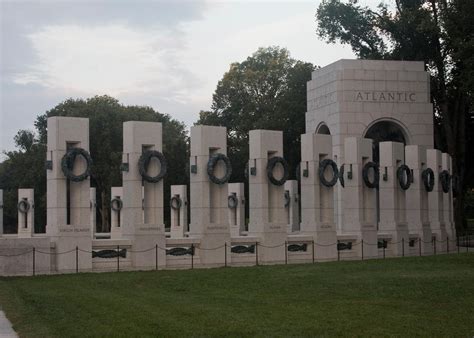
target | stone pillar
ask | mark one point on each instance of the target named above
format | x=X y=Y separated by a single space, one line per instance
x=266 y=203
x=179 y=211
x=448 y=207
x=142 y=219
x=93 y=208
x=359 y=201
x=26 y=213
x=317 y=200
x=116 y=217
x=393 y=220
x=209 y=211
x=292 y=205
x=435 y=201
x=68 y=225
x=1 y=212
x=237 y=214
x=417 y=198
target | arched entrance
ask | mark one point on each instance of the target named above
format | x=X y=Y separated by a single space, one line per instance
x=323 y=129
x=383 y=131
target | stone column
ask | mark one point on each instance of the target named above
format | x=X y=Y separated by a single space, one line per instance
x=266 y=202
x=448 y=203
x=317 y=200
x=68 y=225
x=209 y=211
x=142 y=219
x=237 y=214
x=116 y=217
x=179 y=211
x=93 y=208
x=435 y=201
x=417 y=198
x=1 y=212
x=292 y=205
x=26 y=213
x=359 y=201
x=393 y=220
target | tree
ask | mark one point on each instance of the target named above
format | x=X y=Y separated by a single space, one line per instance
x=266 y=91
x=440 y=33
x=106 y=116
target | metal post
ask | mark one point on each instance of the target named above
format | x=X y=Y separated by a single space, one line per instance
x=362 y=243
x=156 y=256
x=447 y=244
x=77 y=259
x=34 y=259
x=419 y=246
x=457 y=241
x=286 y=253
x=313 y=250
x=192 y=256
x=338 y=252
x=383 y=248
x=256 y=253
x=403 y=247
x=118 y=258
x=434 y=240
x=225 y=254
x=468 y=243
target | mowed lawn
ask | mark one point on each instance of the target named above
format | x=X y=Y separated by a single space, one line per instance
x=425 y=296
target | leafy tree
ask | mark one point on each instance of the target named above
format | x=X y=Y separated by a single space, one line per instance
x=438 y=32
x=265 y=91
x=25 y=167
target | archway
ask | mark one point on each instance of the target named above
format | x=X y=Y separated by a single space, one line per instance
x=323 y=129
x=383 y=131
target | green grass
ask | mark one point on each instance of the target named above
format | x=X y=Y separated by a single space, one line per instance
x=424 y=296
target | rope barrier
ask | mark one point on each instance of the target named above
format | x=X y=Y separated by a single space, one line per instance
x=16 y=255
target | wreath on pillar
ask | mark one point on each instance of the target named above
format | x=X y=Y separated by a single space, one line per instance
x=116 y=204
x=23 y=206
x=211 y=165
x=335 y=172
x=403 y=172
x=176 y=202
x=445 y=179
x=428 y=178
x=232 y=201
x=144 y=161
x=365 y=175
x=67 y=164
x=272 y=162
x=341 y=175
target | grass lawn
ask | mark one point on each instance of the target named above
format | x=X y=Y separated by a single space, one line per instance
x=425 y=296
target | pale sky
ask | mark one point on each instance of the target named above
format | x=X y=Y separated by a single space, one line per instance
x=167 y=55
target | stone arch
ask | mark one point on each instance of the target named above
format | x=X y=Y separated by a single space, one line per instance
x=322 y=128
x=386 y=129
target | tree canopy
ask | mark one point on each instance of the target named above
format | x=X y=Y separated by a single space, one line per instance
x=265 y=91
x=440 y=33
x=24 y=168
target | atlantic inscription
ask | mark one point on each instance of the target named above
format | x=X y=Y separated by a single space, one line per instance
x=376 y=96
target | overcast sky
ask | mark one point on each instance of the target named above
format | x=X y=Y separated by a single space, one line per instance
x=168 y=55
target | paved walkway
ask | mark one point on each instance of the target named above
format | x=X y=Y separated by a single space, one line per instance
x=6 y=330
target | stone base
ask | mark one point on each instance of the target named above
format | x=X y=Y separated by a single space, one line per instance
x=325 y=246
x=271 y=247
x=16 y=256
x=65 y=259
x=440 y=237
x=212 y=249
x=144 y=241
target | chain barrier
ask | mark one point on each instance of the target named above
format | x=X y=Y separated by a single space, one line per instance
x=465 y=241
